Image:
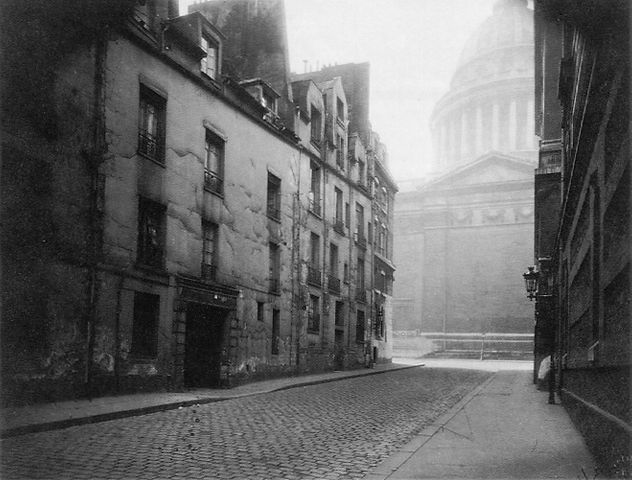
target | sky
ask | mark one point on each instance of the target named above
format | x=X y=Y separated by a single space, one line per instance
x=413 y=47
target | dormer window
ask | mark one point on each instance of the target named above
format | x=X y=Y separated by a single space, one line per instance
x=208 y=64
x=340 y=109
x=268 y=101
x=316 y=126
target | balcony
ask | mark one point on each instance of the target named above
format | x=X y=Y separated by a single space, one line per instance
x=361 y=295
x=315 y=206
x=209 y=272
x=360 y=239
x=314 y=276
x=274 y=213
x=149 y=146
x=361 y=184
x=213 y=183
x=339 y=226
x=274 y=286
x=333 y=283
x=313 y=323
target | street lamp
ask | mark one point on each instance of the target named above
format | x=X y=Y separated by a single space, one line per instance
x=531 y=282
x=540 y=293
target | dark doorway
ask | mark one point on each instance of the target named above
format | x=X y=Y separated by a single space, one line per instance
x=204 y=342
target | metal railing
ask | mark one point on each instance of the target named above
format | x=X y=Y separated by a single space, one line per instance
x=315 y=206
x=274 y=285
x=314 y=276
x=149 y=146
x=360 y=295
x=339 y=226
x=333 y=283
x=213 y=182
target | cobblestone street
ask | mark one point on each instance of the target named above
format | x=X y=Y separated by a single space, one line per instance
x=328 y=431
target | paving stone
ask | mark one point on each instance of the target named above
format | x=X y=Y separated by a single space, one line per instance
x=334 y=430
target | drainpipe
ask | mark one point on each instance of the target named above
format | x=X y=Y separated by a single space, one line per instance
x=94 y=160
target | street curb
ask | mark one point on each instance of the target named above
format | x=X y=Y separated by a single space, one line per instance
x=392 y=463
x=135 y=412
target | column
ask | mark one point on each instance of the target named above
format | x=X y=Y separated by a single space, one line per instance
x=479 y=130
x=454 y=148
x=443 y=141
x=530 y=140
x=464 y=151
x=495 y=126
x=513 y=126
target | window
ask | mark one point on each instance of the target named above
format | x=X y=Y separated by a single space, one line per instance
x=333 y=280
x=145 y=326
x=339 y=314
x=268 y=101
x=361 y=175
x=150 y=233
x=347 y=215
x=316 y=126
x=275 y=268
x=314 y=193
x=274 y=197
x=260 y=311
x=151 y=128
x=313 y=314
x=208 y=64
x=214 y=163
x=276 y=331
x=333 y=259
x=360 y=290
x=340 y=152
x=360 y=326
x=359 y=229
x=340 y=109
x=313 y=269
x=209 y=250
x=338 y=225
x=345 y=272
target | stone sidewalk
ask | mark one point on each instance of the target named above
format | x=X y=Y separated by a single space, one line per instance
x=51 y=416
x=503 y=429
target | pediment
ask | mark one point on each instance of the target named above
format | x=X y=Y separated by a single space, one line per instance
x=489 y=169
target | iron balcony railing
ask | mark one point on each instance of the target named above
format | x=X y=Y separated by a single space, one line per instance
x=339 y=226
x=361 y=295
x=314 y=276
x=274 y=213
x=333 y=283
x=213 y=182
x=314 y=206
x=360 y=239
x=149 y=146
x=313 y=323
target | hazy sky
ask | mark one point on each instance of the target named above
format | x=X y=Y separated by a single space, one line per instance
x=413 y=47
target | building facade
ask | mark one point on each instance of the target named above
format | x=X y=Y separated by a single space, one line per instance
x=462 y=233
x=583 y=73
x=176 y=214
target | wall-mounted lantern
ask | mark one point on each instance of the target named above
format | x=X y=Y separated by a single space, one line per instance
x=531 y=282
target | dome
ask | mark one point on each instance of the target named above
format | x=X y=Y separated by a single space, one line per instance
x=489 y=106
x=510 y=25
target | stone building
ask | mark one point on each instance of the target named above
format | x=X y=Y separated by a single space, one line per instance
x=157 y=231
x=371 y=202
x=464 y=233
x=583 y=78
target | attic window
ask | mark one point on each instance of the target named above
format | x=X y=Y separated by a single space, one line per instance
x=268 y=101
x=208 y=64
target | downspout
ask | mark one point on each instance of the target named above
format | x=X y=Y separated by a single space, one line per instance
x=95 y=233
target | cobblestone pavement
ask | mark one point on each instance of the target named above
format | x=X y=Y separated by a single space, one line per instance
x=335 y=430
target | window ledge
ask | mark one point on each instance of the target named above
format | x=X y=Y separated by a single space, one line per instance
x=160 y=163
x=151 y=269
x=214 y=192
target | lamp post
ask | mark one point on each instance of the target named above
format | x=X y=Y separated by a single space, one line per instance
x=537 y=284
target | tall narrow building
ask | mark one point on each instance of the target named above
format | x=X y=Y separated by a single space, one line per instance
x=464 y=235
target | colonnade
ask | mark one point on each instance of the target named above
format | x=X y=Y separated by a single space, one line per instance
x=505 y=124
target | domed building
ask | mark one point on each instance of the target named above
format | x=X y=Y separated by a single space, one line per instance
x=490 y=102
x=464 y=236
